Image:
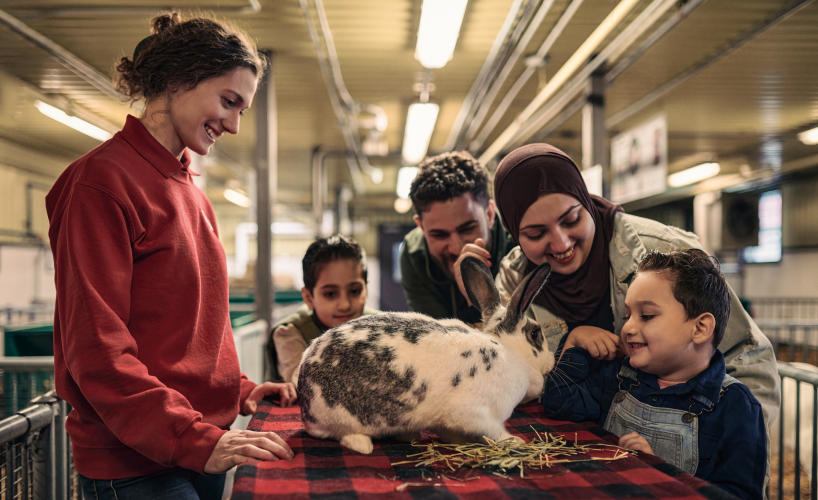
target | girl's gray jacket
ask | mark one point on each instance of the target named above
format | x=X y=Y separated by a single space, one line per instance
x=748 y=353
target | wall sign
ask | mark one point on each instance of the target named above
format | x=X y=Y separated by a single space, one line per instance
x=639 y=161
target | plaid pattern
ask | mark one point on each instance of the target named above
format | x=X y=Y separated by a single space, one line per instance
x=324 y=469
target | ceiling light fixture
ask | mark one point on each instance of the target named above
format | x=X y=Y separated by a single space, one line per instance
x=405 y=177
x=420 y=123
x=809 y=137
x=693 y=174
x=73 y=122
x=236 y=197
x=440 y=22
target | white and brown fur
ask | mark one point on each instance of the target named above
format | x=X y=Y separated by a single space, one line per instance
x=396 y=374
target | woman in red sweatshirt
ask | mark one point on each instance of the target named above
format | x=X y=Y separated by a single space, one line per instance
x=143 y=347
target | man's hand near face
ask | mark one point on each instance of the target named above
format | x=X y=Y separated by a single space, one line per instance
x=476 y=249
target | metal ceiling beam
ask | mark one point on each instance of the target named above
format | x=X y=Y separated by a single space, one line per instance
x=497 y=84
x=64 y=57
x=484 y=77
x=570 y=90
x=253 y=8
x=652 y=97
x=579 y=57
x=529 y=71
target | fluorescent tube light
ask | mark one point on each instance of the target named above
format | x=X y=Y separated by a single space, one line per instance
x=440 y=22
x=73 y=122
x=809 y=137
x=693 y=174
x=420 y=123
x=234 y=196
x=405 y=177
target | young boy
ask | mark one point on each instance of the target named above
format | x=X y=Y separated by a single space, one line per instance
x=670 y=396
x=334 y=292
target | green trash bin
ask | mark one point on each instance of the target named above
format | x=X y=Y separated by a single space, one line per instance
x=20 y=387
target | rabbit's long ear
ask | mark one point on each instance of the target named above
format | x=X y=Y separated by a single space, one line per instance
x=524 y=295
x=480 y=286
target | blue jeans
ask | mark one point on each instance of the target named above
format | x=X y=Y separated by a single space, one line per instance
x=174 y=484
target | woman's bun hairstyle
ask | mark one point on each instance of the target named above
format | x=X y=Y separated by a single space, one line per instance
x=182 y=53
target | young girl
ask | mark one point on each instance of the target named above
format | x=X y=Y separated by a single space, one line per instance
x=334 y=292
x=144 y=351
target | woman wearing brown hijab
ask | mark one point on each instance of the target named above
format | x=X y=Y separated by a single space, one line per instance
x=593 y=248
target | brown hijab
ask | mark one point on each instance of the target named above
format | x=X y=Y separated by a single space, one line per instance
x=522 y=177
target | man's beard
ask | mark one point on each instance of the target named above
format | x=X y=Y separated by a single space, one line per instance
x=444 y=262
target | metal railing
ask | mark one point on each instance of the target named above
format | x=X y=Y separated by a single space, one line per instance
x=23 y=379
x=35 y=453
x=785 y=309
x=16 y=316
x=794 y=438
x=793 y=340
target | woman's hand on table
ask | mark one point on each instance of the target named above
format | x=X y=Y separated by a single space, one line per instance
x=236 y=447
x=634 y=441
x=476 y=249
x=286 y=395
x=600 y=344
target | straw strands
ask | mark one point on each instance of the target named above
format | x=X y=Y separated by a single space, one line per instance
x=544 y=451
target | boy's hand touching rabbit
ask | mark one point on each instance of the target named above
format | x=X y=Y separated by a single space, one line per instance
x=634 y=441
x=600 y=344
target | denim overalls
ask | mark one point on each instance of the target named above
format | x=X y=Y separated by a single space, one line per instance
x=672 y=434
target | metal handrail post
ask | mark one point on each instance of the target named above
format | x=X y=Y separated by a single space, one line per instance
x=61 y=452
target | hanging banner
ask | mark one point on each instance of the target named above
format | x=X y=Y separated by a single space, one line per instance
x=639 y=161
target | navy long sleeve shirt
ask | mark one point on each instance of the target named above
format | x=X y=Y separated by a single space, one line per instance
x=732 y=437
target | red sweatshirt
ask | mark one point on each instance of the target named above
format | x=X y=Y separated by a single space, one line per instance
x=143 y=348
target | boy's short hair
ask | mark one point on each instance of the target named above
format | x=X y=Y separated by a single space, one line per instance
x=446 y=176
x=330 y=249
x=697 y=284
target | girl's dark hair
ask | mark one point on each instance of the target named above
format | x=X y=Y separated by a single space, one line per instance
x=325 y=250
x=697 y=284
x=182 y=53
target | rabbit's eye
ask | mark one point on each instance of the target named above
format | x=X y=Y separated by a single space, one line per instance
x=535 y=335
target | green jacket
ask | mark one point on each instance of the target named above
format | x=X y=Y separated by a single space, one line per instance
x=427 y=288
x=748 y=353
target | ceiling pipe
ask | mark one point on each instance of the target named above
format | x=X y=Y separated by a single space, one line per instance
x=346 y=111
x=341 y=114
x=529 y=71
x=652 y=97
x=254 y=7
x=496 y=86
x=579 y=57
x=489 y=67
x=64 y=57
x=638 y=26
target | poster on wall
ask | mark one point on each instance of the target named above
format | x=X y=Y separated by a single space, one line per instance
x=639 y=161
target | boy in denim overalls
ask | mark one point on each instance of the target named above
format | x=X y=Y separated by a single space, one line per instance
x=670 y=395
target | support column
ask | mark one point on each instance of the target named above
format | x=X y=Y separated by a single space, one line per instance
x=265 y=162
x=594 y=151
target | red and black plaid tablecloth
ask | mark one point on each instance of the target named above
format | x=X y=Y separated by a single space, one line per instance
x=324 y=469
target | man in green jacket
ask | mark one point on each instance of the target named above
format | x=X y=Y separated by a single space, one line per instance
x=456 y=217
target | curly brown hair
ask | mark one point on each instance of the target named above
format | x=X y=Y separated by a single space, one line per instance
x=182 y=53
x=447 y=176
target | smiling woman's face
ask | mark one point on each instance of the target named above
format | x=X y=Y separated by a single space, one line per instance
x=557 y=229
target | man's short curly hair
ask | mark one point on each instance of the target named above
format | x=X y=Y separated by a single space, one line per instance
x=447 y=176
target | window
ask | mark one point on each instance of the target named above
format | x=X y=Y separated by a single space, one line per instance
x=769 y=230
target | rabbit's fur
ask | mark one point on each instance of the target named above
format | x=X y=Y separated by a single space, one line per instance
x=396 y=374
